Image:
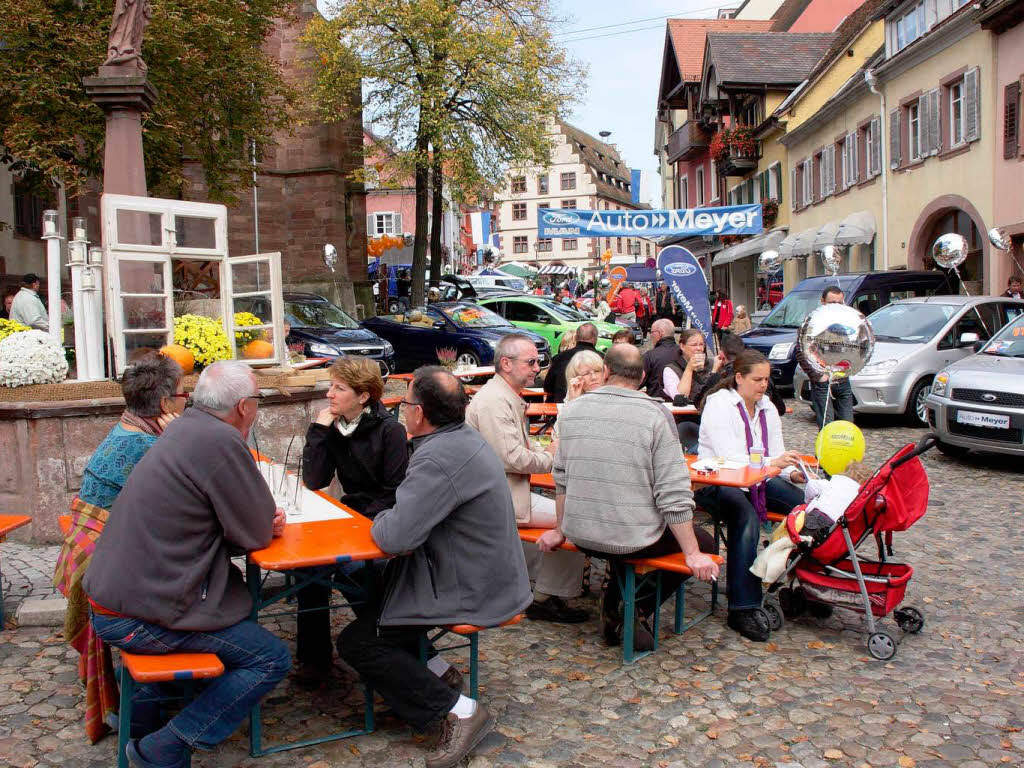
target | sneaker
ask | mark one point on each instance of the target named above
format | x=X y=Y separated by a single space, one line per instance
x=555 y=609
x=457 y=737
x=746 y=623
x=135 y=758
x=453 y=679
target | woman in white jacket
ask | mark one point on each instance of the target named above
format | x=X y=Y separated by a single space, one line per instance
x=737 y=417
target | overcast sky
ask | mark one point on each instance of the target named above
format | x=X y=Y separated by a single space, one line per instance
x=624 y=68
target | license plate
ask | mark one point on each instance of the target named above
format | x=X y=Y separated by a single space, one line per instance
x=990 y=420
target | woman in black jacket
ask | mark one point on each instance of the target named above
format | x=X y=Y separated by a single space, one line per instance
x=356 y=439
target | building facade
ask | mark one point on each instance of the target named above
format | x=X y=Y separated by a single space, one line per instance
x=585 y=173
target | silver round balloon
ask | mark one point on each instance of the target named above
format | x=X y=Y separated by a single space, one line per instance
x=950 y=250
x=836 y=338
x=832 y=258
x=999 y=239
x=769 y=261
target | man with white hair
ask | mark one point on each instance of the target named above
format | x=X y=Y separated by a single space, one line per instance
x=663 y=351
x=161 y=578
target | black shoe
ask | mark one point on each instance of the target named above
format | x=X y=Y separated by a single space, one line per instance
x=312 y=675
x=611 y=623
x=643 y=637
x=819 y=610
x=555 y=609
x=746 y=623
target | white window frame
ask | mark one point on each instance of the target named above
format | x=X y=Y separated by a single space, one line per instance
x=700 y=187
x=115 y=251
x=684 y=191
x=714 y=176
x=384 y=223
x=914 y=131
x=957 y=125
x=920 y=29
x=774 y=180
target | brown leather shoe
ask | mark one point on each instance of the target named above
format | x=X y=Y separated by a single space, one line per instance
x=453 y=679
x=458 y=736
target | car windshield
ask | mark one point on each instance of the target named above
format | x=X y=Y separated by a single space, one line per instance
x=1009 y=342
x=564 y=312
x=317 y=314
x=791 y=311
x=471 y=316
x=911 y=323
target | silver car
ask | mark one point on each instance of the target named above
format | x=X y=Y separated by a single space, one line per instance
x=978 y=402
x=914 y=339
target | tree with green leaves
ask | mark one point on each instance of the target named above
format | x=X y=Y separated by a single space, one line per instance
x=218 y=92
x=466 y=87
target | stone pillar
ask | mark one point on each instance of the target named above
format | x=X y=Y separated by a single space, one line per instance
x=123 y=94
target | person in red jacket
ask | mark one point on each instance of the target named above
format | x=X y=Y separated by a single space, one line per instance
x=644 y=310
x=628 y=298
x=721 y=312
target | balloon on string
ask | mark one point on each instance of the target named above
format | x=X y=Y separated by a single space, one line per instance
x=769 y=261
x=832 y=258
x=999 y=239
x=836 y=339
x=950 y=250
x=837 y=445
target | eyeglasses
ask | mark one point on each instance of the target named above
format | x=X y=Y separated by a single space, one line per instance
x=186 y=395
x=530 y=362
x=408 y=402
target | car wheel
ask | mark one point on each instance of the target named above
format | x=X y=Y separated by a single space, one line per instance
x=953 y=451
x=393 y=306
x=467 y=359
x=917 y=405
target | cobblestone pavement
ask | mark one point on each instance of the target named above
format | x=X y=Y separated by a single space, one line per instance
x=952 y=696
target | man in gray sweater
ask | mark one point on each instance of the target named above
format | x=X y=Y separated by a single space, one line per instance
x=621 y=483
x=161 y=579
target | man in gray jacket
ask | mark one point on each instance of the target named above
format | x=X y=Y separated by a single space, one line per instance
x=632 y=501
x=161 y=578
x=458 y=561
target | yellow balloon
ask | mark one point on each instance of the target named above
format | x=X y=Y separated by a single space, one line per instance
x=837 y=445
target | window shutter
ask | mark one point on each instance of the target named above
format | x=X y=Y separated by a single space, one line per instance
x=972 y=106
x=894 y=138
x=370 y=230
x=830 y=169
x=854 y=159
x=1011 y=120
x=934 y=122
x=777 y=170
x=792 y=189
x=875 y=147
x=398 y=224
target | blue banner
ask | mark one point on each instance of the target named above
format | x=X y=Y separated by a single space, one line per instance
x=683 y=274
x=687 y=222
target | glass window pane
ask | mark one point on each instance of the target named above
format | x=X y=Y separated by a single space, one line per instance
x=141 y=276
x=194 y=232
x=144 y=312
x=137 y=345
x=139 y=227
x=254 y=333
x=249 y=277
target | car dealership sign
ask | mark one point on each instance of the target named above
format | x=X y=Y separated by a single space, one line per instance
x=687 y=222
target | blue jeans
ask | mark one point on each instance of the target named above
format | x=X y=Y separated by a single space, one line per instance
x=254 y=662
x=840 y=403
x=743 y=529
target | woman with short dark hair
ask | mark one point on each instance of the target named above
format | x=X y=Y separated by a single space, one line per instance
x=153 y=397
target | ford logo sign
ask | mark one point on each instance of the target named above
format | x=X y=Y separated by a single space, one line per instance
x=679 y=269
x=988 y=397
x=561 y=218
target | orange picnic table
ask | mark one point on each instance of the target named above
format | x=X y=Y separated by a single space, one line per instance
x=733 y=478
x=481 y=371
x=9 y=523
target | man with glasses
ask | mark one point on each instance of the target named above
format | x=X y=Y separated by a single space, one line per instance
x=499 y=414
x=457 y=561
x=161 y=577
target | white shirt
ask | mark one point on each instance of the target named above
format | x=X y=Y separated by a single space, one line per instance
x=723 y=433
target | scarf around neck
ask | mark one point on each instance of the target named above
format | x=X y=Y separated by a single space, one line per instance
x=346 y=428
x=758 y=493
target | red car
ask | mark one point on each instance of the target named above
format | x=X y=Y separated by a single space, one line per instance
x=768 y=295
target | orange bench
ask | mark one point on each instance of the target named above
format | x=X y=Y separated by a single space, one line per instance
x=9 y=523
x=472 y=632
x=161 y=668
x=648 y=570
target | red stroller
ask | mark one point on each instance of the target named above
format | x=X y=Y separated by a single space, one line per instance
x=832 y=573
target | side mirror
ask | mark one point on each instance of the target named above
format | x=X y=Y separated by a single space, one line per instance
x=439 y=325
x=968 y=339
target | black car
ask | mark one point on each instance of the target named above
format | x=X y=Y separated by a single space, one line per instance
x=471 y=330
x=775 y=337
x=322 y=329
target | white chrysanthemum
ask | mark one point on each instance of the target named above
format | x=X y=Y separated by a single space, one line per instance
x=31 y=357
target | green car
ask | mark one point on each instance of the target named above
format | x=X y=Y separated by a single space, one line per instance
x=548 y=318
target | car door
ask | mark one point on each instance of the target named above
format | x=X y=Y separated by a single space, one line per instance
x=978 y=319
x=530 y=317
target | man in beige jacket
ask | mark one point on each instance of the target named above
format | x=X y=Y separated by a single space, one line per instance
x=499 y=414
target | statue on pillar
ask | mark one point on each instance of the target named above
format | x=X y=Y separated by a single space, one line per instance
x=124 y=46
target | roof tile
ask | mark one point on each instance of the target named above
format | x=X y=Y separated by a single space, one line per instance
x=688 y=35
x=772 y=58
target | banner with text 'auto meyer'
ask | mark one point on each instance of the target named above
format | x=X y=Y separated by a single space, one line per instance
x=689 y=286
x=726 y=220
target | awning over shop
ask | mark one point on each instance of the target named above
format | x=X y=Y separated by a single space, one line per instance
x=826 y=235
x=800 y=244
x=551 y=269
x=855 y=229
x=755 y=245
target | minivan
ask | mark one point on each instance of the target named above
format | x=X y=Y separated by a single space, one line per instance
x=775 y=337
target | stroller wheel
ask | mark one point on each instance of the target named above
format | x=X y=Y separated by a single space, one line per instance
x=882 y=646
x=774 y=615
x=910 y=619
x=763 y=619
x=792 y=602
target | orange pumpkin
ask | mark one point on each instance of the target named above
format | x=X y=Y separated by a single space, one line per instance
x=258 y=349
x=181 y=356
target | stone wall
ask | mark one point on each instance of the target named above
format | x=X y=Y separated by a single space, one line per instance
x=46 y=447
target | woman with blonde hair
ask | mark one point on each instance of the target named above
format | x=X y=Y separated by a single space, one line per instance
x=740 y=320
x=567 y=342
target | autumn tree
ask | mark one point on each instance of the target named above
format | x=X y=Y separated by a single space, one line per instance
x=218 y=91
x=467 y=87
